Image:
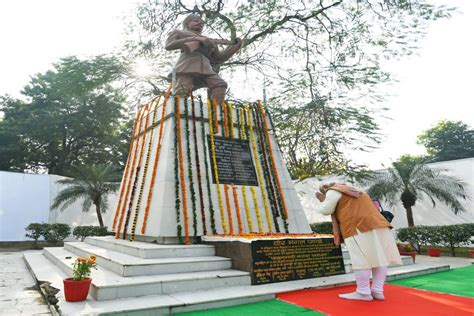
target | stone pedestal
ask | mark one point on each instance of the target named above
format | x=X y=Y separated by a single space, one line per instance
x=150 y=194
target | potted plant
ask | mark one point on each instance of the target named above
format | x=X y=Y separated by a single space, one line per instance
x=471 y=253
x=76 y=288
x=408 y=250
x=434 y=240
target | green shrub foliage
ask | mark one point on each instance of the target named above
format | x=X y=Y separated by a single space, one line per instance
x=36 y=230
x=81 y=232
x=57 y=232
x=450 y=236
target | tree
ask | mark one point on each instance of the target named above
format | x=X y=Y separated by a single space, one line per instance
x=324 y=58
x=410 y=179
x=73 y=115
x=90 y=183
x=448 y=140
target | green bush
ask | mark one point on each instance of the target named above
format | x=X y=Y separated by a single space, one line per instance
x=418 y=236
x=321 y=228
x=81 y=232
x=36 y=230
x=453 y=236
x=57 y=232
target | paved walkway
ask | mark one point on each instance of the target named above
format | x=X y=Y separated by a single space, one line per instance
x=18 y=297
x=17 y=293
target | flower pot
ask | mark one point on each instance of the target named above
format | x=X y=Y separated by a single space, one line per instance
x=434 y=252
x=409 y=253
x=471 y=252
x=76 y=291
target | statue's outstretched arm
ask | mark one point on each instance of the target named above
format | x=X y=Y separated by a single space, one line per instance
x=223 y=56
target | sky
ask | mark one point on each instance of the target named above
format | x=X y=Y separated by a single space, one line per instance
x=433 y=85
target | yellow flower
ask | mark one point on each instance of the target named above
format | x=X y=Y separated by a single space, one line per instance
x=92 y=257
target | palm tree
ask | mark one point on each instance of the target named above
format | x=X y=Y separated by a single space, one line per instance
x=91 y=183
x=410 y=178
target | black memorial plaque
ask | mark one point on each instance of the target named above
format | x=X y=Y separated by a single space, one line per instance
x=234 y=161
x=295 y=259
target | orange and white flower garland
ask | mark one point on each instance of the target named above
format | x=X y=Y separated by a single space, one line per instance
x=145 y=168
x=155 y=165
x=214 y=160
x=259 y=171
x=229 y=209
x=237 y=210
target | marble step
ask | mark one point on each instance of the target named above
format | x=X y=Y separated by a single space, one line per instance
x=127 y=265
x=149 y=250
x=166 y=304
x=107 y=285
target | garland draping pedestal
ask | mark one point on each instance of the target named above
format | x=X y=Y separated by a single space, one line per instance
x=247 y=209
x=155 y=165
x=145 y=168
x=225 y=122
x=216 y=175
x=177 y=201
x=266 y=170
x=190 y=168
x=125 y=174
x=231 y=119
x=257 y=210
x=137 y=172
x=214 y=116
x=259 y=172
x=198 y=167
x=206 y=164
x=237 y=209
x=181 y=174
x=229 y=209
x=127 y=191
x=282 y=198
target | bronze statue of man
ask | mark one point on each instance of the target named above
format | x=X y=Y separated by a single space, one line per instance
x=198 y=54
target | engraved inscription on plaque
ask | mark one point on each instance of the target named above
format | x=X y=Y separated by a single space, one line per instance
x=295 y=259
x=234 y=161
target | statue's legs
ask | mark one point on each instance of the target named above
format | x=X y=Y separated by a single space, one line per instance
x=217 y=86
x=186 y=83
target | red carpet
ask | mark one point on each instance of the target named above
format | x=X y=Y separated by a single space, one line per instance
x=398 y=301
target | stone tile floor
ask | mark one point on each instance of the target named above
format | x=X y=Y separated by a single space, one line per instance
x=18 y=295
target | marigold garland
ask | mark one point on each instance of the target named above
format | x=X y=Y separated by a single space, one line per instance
x=266 y=170
x=137 y=172
x=127 y=191
x=181 y=173
x=247 y=209
x=237 y=209
x=190 y=167
x=225 y=122
x=145 y=169
x=273 y=236
x=198 y=167
x=216 y=174
x=231 y=119
x=214 y=116
x=259 y=171
x=155 y=165
x=206 y=164
x=125 y=173
x=273 y=159
x=177 y=201
x=242 y=122
x=257 y=210
x=229 y=209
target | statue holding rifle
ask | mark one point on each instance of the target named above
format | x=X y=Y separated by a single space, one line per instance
x=198 y=54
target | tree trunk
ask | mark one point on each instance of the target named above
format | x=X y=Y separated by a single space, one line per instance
x=99 y=215
x=410 y=216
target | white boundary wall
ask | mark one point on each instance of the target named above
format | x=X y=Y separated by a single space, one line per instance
x=25 y=199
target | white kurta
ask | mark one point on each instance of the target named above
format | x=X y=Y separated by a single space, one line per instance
x=375 y=248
